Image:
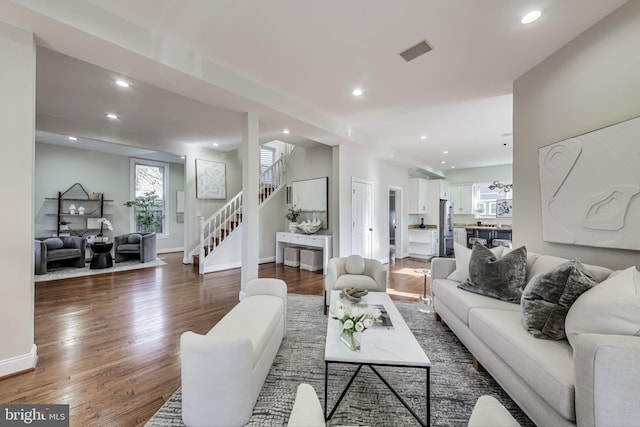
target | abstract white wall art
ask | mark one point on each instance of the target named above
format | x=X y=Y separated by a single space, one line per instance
x=210 y=180
x=590 y=188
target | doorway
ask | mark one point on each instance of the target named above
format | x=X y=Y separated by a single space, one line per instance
x=361 y=218
x=395 y=224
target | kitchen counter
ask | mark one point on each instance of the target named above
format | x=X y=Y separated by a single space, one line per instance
x=417 y=227
x=487 y=227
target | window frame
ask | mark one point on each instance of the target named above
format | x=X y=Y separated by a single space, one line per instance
x=490 y=205
x=165 y=199
x=262 y=165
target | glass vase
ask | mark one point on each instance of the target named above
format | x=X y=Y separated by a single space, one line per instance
x=350 y=339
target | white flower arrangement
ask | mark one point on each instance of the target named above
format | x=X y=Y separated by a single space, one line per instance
x=354 y=318
x=104 y=222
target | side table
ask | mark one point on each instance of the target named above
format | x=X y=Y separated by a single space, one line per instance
x=101 y=255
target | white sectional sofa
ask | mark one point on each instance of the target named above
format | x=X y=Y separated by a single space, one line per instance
x=224 y=370
x=594 y=380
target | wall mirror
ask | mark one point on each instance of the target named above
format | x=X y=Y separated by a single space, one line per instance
x=310 y=195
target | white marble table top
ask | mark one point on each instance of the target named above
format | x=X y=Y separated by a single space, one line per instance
x=380 y=346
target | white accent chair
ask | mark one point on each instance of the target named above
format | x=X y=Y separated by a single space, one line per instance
x=224 y=370
x=354 y=272
x=307 y=410
x=488 y=412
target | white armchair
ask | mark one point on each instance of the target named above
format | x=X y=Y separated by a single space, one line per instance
x=354 y=271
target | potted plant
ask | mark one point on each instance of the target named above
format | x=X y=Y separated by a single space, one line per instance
x=292 y=215
x=148 y=219
x=104 y=222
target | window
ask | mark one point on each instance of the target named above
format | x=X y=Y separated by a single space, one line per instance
x=267 y=157
x=149 y=177
x=484 y=200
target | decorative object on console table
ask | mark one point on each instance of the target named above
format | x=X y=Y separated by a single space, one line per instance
x=310 y=227
x=292 y=215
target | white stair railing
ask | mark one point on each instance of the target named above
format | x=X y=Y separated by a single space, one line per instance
x=215 y=229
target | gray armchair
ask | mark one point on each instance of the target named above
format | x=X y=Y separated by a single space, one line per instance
x=141 y=246
x=65 y=250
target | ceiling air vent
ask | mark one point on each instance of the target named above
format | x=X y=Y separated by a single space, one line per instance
x=415 y=51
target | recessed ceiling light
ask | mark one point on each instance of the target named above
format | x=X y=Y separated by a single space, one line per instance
x=285 y=131
x=453 y=167
x=123 y=83
x=183 y=157
x=112 y=116
x=215 y=144
x=357 y=92
x=423 y=137
x=445 y=152
x=530 y=17
x=72 y=138
x=443 y=162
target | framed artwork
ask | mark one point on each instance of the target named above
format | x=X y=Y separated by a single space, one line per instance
x=211 y=180
x=504 y=208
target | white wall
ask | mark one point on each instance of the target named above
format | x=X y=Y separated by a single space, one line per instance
x=502 y=173
x=58 y=168
x=590 y=83
x=355 y=162
x=17 y=124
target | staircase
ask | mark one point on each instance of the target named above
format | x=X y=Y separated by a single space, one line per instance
x=216 y=229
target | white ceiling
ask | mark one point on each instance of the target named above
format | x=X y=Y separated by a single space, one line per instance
x=314 y=54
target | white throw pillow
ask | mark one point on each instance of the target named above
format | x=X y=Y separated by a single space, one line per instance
x=611 y=307
x=463 y=254
x=354 y=264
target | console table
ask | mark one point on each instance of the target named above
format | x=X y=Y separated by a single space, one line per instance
x=305 y=240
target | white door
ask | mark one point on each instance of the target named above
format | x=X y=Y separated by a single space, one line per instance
x=362 y=218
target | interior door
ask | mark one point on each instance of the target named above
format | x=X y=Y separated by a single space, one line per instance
x=362 y=218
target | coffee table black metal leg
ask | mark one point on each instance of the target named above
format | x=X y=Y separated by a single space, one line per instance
x=406 y=405
x=344 y=392
x=326 y=383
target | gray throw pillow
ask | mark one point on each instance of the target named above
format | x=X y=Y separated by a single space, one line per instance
x=53 y=243
x=501 y=278
x=134 y=238
x=548 y=296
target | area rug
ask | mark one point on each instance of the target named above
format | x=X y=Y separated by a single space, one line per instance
x=455 y=384
x=69 y=272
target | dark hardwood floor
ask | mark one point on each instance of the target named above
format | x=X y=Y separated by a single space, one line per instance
x=108 y=345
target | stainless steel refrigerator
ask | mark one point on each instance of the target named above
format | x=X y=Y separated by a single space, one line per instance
x=445 y=228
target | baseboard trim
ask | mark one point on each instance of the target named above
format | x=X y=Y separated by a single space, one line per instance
x=19 y=364
x=169 y=250
x=232 y=265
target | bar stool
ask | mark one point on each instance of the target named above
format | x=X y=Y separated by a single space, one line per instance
x=501 y=242
x=474 y=240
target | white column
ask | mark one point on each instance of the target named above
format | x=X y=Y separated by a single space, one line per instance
x=17 y=130
x=250 y=177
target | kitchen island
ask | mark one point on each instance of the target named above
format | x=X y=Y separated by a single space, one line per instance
x=488 y=232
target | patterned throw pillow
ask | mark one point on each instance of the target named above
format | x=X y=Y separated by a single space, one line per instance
x=548 y=296
x=501 y=278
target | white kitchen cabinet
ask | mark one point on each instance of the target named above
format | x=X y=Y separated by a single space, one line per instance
x=462 y=198
x=417 y=196
x=460 y=236
x=423 y=242
x=439 y=187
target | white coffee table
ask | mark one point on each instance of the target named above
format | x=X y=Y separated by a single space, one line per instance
x=396 y=346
